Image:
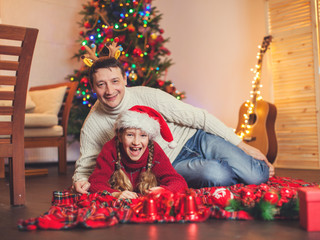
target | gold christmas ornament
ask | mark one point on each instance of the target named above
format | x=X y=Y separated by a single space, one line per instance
x=133 y=76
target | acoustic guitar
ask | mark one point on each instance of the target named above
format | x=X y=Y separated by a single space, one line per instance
x=256 y=125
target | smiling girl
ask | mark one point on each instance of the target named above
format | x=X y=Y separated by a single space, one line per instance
x=132 y=162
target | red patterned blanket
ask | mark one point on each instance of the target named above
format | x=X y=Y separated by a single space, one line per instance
x=277 y=199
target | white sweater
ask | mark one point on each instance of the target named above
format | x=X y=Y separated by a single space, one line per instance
x=183 y=121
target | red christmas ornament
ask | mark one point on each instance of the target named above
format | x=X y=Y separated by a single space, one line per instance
x=161 y=31
x=87 y=24
x=83 y=48
x=81 y=33
x=131 y=28
x=137 y=51
x=160 y=82
x=84 y=80
x=221 y=197
x=271 y=197
x=116 y=39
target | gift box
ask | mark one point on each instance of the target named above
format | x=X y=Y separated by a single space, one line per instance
x=309 y=204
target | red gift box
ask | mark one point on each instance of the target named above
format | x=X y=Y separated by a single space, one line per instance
x=309 y=203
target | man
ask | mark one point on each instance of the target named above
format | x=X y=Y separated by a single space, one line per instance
x=207 y=153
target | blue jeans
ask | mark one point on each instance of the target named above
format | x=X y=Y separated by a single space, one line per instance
x=208 y=160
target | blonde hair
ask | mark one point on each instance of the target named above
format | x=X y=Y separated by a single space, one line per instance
x=120 y=181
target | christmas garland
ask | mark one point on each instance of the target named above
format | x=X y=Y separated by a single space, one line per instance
x=276 y=199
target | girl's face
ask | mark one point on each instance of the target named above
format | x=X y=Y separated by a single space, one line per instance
x=134 y=142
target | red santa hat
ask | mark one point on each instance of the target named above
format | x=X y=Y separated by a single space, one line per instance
x=148 y=120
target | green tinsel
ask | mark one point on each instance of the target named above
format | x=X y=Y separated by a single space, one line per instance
x=263 y=210
x=234 y=205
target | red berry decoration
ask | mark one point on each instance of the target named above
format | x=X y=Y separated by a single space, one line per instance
x=271 y=197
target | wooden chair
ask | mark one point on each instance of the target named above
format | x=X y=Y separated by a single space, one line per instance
x=15 y=63
x=55 y=141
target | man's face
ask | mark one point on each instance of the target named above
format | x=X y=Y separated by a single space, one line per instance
x=109 y=85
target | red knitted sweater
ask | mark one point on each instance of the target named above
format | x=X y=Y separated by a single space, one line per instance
x=166 y=175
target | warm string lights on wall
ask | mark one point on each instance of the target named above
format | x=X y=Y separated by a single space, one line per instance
x=249 y=117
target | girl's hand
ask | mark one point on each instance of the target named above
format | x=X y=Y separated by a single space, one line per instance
x=155 y=190
x=125 y=194
x=257 y=154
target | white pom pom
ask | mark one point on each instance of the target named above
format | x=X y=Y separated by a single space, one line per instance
x=172 y=144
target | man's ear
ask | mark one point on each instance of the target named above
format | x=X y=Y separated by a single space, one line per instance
x=125 y=79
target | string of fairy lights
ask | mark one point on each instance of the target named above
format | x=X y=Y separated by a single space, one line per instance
x=254 y=95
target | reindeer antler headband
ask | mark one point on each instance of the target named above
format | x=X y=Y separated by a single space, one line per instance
x=90 y=57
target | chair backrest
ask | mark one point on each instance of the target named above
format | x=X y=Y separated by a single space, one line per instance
x=67 y=101
x=16 y=52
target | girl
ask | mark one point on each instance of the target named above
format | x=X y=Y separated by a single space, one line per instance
x=132 y=162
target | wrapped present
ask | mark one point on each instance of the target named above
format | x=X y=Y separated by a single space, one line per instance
x=309 y=202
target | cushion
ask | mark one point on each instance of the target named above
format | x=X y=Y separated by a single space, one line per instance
x=30 y=105
x=40 y=120
x=48 y=100
x=55 y=131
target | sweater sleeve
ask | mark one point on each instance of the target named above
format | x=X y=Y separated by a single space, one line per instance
x=166 y=175
x=105 y=167
x=94 y=134
x=180 y=113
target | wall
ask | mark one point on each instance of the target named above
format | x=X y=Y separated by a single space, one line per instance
x=213 y=45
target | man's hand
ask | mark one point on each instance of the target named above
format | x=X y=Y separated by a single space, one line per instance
x=257 y=154
x=81 y=186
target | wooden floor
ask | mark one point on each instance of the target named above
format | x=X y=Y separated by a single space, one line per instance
x=39 y=192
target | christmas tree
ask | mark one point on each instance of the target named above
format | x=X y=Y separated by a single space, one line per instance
x=135 y=25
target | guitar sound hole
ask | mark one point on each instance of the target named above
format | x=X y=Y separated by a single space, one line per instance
x=252 y=119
